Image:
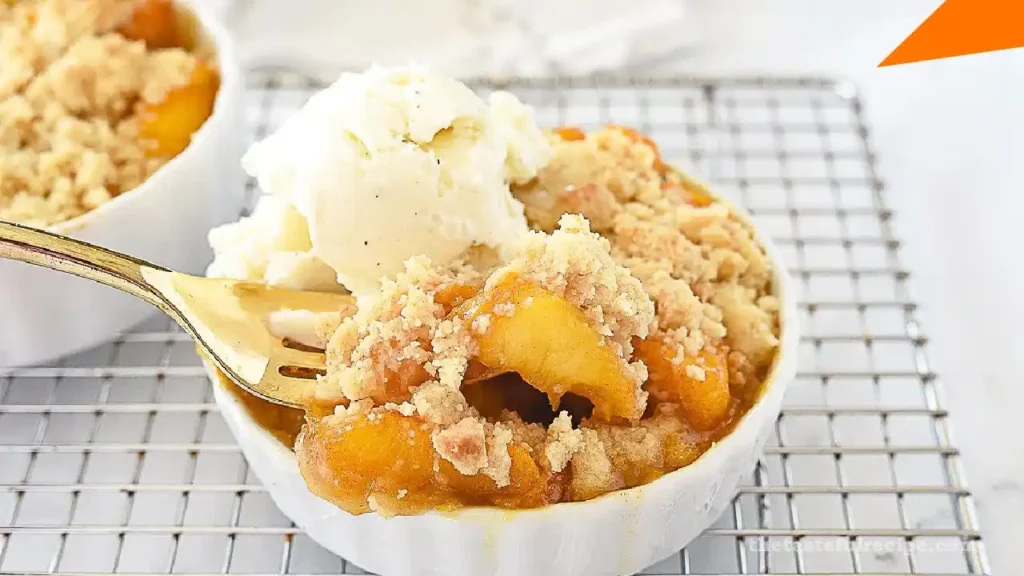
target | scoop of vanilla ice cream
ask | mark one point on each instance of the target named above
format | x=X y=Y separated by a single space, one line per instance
x=528 y=149
x=394 y=163
x=305 y=327
x=271 y=246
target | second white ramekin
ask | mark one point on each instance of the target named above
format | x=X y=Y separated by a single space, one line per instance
x=46 y=315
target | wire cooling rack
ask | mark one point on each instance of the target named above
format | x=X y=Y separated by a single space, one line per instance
x=116 y=460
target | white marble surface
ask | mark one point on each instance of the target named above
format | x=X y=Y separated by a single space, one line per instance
x=948 y=135
x=468 y=37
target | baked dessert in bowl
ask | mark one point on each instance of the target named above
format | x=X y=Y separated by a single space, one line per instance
x=119 y=125
x=575 y=389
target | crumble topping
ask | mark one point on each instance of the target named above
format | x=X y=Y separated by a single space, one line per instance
x=610 y=169
x=683 y=318
x=701 y=264
x=592 y=470
x=452 y=346
x=751 y=328
x=474 y=446
x=631 y=448
x=69 y=85
x=401 y=328
x=464 y=444
x=652 y=241
x=534 y=437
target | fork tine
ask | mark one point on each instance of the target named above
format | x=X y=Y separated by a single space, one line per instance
x=280 y=387
x=291 y=357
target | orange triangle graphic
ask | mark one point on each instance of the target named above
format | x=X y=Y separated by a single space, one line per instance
x=961 y=27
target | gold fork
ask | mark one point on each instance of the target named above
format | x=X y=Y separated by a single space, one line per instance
x=227 y=318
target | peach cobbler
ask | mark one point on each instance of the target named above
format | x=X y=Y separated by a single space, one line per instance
x=95 y=95
x=622 y=336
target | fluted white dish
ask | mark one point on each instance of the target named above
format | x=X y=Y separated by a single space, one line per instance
x=618 y=533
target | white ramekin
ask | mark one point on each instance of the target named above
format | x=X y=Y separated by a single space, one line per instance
x=47 y=315
x=618 y=533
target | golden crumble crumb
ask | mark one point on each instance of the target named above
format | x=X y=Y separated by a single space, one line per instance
x=506 y=309
x=440 y=404
x=405 y=408
x=649 y=240
x=695 y=372
x=480 y=323
x=93 y=197
x=533 y=436
x=464 y=445
x=769 y=304
x=326 y=394
x=751 y=329
x=499 y=461
x=683 y=317
x=742 y=371
x=451 y=345
x=164 y=71
x=635 y=451
x=592 y=471
x=357 y=408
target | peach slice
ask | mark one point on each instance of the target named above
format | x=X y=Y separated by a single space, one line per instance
x=570 y=133
x=521 y=327
x=704 y=403
x=167 y=126
x=384 y=455
x=153 y=22
x=390 y=458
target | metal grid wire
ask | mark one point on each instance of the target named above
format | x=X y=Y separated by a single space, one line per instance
x=117 y=460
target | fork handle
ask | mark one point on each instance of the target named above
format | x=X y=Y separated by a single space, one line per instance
x=49 y=250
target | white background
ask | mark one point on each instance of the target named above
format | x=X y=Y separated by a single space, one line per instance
x=948 y=137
